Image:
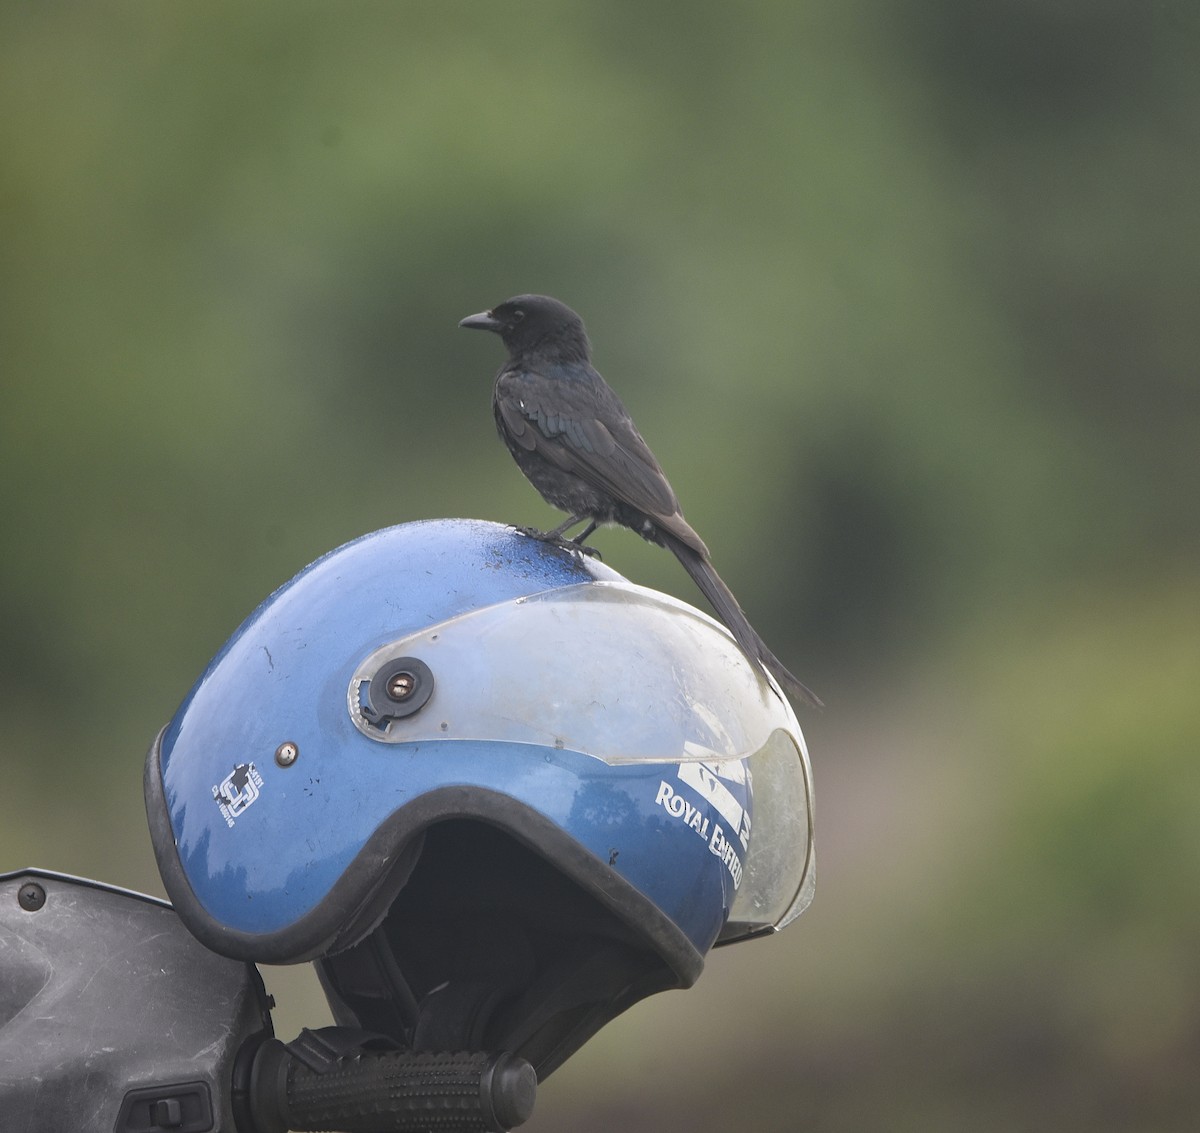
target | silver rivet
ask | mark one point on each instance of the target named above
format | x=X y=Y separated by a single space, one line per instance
x=286 y=753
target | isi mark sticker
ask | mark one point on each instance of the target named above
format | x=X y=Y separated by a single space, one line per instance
x=238 y=791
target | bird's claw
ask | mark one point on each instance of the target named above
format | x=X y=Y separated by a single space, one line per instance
x=556 y=540
x=538 y=534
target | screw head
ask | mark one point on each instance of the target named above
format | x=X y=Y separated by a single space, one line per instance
x=31 y=896
x=400 y=685
x=286 y=753
x=396 y=687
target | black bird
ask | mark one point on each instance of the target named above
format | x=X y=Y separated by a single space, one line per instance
x=578 y=446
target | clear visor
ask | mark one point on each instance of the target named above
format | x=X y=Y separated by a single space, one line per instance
x=780 y=876
x=626 y=675
x=664 y=682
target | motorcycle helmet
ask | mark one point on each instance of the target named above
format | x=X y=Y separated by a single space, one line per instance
x=494 y=790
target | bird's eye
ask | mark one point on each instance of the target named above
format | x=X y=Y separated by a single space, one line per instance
x=517 y=315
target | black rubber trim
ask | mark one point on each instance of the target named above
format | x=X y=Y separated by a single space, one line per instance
x=359 y=898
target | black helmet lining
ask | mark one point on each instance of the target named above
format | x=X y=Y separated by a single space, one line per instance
x=489 y=946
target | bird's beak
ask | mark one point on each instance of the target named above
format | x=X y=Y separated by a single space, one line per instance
x=483 y=321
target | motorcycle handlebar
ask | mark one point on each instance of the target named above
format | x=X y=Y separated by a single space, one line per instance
x=394 y=1091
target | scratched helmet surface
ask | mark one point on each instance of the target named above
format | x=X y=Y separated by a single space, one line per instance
x=450 y=723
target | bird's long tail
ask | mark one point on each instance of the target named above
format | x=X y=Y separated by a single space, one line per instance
x=727 y=609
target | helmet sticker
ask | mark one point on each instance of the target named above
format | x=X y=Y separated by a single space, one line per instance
x=704 y=780
x=237 y=792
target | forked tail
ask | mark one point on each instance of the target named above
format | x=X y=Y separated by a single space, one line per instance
x=727 y=609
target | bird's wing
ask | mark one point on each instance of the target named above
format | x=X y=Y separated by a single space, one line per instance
x=585 y=430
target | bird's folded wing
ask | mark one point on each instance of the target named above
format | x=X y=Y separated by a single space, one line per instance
x=566 y=431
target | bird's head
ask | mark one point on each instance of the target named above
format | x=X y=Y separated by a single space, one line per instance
x=535 y=324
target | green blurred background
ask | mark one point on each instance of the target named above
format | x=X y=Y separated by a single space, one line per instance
x=904 y=298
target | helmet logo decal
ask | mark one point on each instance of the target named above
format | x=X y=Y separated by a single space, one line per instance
x=237 y=792
x=705 y=781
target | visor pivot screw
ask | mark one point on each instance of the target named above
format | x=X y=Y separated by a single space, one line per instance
x=397 y=689
x=286 y=753
x=31 y=897
x=401 y=686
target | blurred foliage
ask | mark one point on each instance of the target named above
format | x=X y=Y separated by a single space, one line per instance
x=902 y=296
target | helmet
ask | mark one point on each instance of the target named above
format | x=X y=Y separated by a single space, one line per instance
x=495 y=790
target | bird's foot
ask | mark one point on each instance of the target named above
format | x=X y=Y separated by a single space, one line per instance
x=538 y=534
x=555 y=539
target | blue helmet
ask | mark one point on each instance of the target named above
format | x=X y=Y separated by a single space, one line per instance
x=495 y=790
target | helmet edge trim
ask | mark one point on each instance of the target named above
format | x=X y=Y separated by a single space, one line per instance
x=327 y=928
